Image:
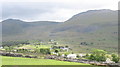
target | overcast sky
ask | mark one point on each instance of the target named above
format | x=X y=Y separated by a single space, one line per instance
x=51 y=10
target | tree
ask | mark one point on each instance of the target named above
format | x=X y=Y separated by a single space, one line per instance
x=92 y=57
x=55 y=47
x=87 y=55
x=9 y=48
x=56 y=51
x=72 y=52
x=45 y=51
x=66 y=46
x=55 y=43
x=98 y=55
x=115 y=58
x=78 y=56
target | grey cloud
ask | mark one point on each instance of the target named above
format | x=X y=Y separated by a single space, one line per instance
x=33 y=10
x=24 y=10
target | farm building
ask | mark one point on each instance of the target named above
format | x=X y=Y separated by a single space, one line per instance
x=72 y=56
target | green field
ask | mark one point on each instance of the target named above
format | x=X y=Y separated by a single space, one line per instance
x=32 y=61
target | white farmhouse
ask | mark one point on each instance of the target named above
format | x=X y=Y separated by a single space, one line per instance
x=81 y=55
x=1 y=47
x=63 y=55
x=109 y=61
x=55 y=53
x=72 y=56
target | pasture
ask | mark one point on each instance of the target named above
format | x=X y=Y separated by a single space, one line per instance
x=32 y=61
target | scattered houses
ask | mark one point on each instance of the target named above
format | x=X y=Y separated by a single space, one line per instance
x=60 y=47
x=54 y=53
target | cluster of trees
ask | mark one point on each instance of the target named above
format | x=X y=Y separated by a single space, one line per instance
x=9 y=49
x=115 y=58
x=10 y=43
x=100 y=55
x=22 y=50
x=45 y=51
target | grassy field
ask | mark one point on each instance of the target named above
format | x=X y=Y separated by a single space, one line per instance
x=32 y=61
x=34 y=47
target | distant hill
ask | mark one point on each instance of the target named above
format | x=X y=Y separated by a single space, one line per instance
x=97 y=28
x=15 y=26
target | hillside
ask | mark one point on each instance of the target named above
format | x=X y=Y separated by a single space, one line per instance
x=96 y=28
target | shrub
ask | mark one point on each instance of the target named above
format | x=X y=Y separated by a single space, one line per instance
x=115 y=58
x=45 y=51
x=98 y=55
x=78 y=56
x=56 y=51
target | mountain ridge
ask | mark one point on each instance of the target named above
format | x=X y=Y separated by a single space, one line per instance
x=108 y=10
x=92 y=27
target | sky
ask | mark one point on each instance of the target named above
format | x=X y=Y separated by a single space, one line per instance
x=50 y=10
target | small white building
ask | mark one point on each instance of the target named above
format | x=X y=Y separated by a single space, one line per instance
x=65 y=49
x=63 y=55
x=109 y=61
x=54 y=53
x=82 y=55
x=1 y=47
x=72 y=56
